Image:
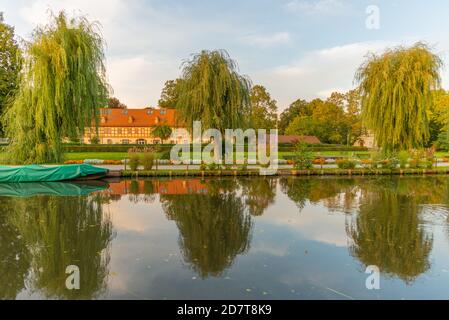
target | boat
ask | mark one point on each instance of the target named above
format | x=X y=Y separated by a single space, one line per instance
x=37 y=173
x=62 y=189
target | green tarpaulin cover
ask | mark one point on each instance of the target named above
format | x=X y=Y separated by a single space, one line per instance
x=36 y=173
x=62 y=189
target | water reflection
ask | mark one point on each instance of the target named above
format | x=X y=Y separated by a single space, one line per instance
x=387 y=232
x=43 y=235
x=383 y=221
x=14 y=256
x=214 y=228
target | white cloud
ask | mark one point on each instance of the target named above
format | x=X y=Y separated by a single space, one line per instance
x=265 y=41
x=104 y=10
x=317 y=73
x=315 y=6
x=138 y=80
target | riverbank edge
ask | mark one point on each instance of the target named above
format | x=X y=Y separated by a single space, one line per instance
x=281 y=172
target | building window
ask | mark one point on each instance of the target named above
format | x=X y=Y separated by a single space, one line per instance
x=125 y=141
x=109 y=141
x=141 y=141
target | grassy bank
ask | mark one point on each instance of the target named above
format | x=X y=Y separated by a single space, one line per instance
x=313 y=172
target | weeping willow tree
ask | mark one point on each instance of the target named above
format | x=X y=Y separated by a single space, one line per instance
x=396 y=91
x=62 y=86
x=213 y=91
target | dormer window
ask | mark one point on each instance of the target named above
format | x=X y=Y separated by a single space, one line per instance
x=149 y=112
x=125 y=111
x=163 y=111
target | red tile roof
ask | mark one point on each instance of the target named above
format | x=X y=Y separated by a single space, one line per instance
x=137 y=117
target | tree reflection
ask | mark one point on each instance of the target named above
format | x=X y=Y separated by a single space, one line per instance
x=387 y=232
x=335 y=193
x=63 y=231
x=259 y=194
x=214 y=229
x=14 y=256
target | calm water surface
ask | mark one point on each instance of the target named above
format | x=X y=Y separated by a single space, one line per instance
x=259 y=238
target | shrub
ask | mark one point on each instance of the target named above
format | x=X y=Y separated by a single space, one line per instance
x=203 y=167
x=95 y=140
x=303 y=158
x=346 y=163
x=376 y=157
x=390 y=163
x=133 y=161
x=212 y=166
x=403 y=157
x=147 y=161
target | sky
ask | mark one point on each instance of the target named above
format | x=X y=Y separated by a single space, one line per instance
x=295 y=48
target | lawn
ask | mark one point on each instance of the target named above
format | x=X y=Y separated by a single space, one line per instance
x=123 y=155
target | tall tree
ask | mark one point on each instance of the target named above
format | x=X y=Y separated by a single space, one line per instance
x=61 y=90
x=114 y=103
x=10 y=63
x=170 y=94
x=396 y=90
x=162 y=131
x=298 y=108
x=214 y=92
x=263 y=109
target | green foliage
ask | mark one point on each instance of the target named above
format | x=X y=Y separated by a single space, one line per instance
x=443 y=141
x=134 y=161
x=170 y=94
x=336 y=120
x=95 y=140
x=61 y=90
x=212 y=166
x=212 y=91
x=298 y=108
x=303 y=158
x=396 y=89
x=147 y=161
x=162 y=131
x=346 y=164
x=263 y=109
x=10 y=65
x=403 y=157
x=114 y=103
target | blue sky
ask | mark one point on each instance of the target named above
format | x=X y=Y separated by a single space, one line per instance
x=295 y=48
